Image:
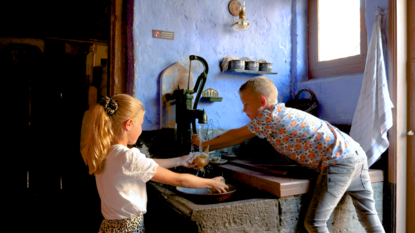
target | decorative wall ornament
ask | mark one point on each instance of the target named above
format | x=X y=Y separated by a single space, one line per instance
x=237 y=8
x=211 y=95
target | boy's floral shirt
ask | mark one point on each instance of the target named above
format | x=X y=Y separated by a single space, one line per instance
x=301 y=136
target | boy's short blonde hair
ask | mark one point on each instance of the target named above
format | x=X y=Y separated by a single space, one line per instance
x=261 y=86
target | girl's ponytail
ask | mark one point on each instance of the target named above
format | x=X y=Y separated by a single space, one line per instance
x=99 y=138
x=105 y=125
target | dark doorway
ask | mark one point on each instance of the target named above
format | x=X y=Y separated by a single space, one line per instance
x=54 y=98
x=43 y=54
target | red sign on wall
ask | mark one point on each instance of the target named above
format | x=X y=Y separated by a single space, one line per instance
x=163 y=35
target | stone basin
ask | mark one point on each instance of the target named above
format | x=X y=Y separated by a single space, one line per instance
x=251 y=209
x=240 y=213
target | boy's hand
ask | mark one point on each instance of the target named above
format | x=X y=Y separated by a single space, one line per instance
x=186 y=161
x=196 y=139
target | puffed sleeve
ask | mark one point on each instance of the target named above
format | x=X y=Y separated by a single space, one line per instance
x=136 y=165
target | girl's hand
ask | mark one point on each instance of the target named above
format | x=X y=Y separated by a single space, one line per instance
x=218 y=185
x=186 y=160
x=196 y=139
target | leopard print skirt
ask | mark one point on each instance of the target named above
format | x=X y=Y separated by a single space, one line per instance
x=129 y=225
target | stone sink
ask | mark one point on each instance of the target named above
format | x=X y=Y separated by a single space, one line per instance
x=262 y=203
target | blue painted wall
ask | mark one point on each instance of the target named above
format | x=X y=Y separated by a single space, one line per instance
x=203 y=28
x=278 y=34
x=338 y=95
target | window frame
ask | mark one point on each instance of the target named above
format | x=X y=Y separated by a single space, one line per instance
x=341 y=66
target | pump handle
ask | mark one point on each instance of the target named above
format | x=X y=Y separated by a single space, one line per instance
x=206 y=71
x=202 y=78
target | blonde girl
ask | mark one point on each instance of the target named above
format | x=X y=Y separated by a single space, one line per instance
x=121 y=173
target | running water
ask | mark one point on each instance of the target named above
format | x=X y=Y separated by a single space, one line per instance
x=200 y=139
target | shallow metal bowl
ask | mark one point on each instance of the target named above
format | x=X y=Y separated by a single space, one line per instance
x=204 y=196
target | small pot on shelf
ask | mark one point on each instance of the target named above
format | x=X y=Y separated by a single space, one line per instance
x=237 y=65
x=252 y=65
x=265 y=66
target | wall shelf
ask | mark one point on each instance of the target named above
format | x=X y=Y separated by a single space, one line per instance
x=212 y=99
x=249 y=72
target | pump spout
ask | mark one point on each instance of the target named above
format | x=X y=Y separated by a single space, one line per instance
x=200 y=115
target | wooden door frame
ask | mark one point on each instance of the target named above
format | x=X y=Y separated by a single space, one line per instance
x=121 y=48
x=410 y=204
x=397 y=157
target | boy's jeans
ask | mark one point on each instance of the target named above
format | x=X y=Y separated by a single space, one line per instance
x=350 y=177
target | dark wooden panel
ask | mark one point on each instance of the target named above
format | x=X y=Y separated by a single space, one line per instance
x=82 y=20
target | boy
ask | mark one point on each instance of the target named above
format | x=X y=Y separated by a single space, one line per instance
x=312 y=142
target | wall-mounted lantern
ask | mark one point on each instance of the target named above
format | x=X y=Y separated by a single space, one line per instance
x=237 y=8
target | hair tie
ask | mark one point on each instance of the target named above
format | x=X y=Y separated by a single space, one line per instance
x=109 y=105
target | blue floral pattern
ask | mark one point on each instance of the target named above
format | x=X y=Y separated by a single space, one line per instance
x=309 y=140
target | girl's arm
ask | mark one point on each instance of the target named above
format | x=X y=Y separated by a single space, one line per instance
x=230 y=138
x=176 y=162
x=166 y=176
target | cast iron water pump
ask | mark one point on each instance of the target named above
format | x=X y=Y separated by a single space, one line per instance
x=185 y=114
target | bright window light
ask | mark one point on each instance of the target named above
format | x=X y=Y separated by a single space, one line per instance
x=338 y=29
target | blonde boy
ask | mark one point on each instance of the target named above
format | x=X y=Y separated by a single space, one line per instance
x=312 y=142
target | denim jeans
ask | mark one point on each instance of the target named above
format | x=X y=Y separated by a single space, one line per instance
x=352 y=177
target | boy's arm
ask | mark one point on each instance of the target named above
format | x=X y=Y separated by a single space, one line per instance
x=232 y=143
x=230 y=138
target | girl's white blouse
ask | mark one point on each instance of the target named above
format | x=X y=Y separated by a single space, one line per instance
x=122 y=185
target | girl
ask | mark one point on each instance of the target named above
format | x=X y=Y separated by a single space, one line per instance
x=121 y=173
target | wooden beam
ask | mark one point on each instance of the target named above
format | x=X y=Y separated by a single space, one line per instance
x=130 y=48
x=118 y=47
x=90 y=41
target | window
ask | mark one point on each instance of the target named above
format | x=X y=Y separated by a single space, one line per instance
x=337 y=37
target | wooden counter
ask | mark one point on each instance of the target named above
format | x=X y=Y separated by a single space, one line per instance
x=279 y=185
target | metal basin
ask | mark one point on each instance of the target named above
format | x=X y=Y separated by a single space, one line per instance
x=203 y=196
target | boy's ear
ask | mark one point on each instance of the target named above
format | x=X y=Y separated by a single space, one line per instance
x=263 y=100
